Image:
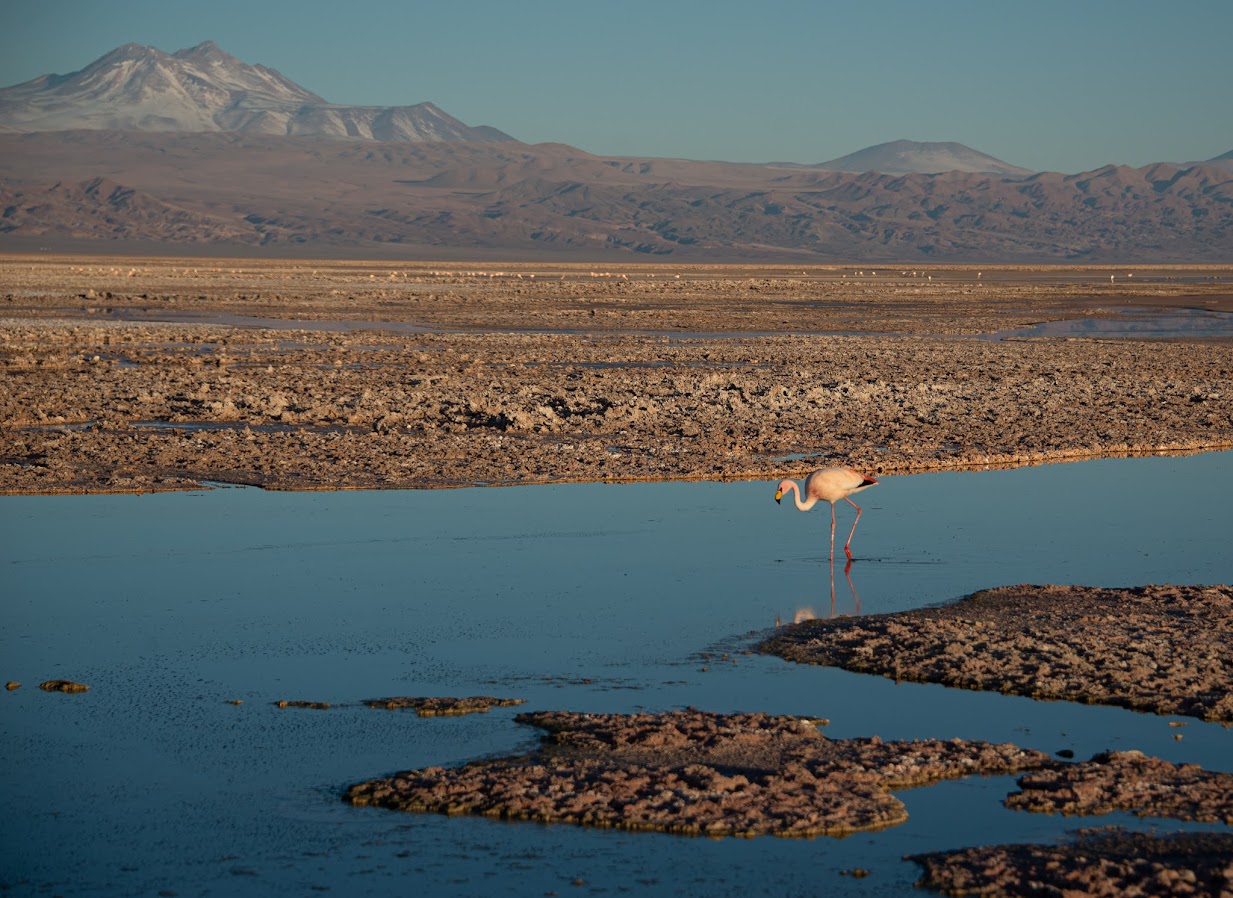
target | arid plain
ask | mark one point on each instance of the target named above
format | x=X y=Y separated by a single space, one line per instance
x=151 y=374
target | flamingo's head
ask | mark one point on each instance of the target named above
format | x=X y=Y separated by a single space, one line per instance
x=781 y=489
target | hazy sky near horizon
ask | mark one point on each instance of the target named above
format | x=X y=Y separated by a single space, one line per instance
x=1061 y=85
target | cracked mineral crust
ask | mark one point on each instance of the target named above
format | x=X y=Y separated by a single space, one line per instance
x=695 y=773
x=321 y=375
x=1096 y=863
x=1164 y=649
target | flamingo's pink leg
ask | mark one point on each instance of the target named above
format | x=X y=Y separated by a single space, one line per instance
x=832 y=531
x=848 y=551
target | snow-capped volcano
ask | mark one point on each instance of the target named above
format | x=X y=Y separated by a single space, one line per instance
x=202 y=88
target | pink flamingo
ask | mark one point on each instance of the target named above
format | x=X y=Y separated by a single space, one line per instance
x=829 y=485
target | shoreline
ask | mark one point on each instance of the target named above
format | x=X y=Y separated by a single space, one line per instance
x=540 y=374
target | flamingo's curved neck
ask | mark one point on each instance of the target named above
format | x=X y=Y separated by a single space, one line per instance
x=796 y=497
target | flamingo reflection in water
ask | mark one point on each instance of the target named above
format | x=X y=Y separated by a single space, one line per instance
x=830 y=485
x=809 y=614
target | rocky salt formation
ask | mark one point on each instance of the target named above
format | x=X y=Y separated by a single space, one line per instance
x=1128 y=781
x=330 y=375
x=1164 y=649
x=62 y=686
x=439 y=706
x=695 y=773
x=1105 y=862
x=1097 y=863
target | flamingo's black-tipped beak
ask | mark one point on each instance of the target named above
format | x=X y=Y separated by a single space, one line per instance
x=778 y=495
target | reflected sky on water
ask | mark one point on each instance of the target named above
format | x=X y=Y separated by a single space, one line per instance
x=1134 y=324
x=578 y=597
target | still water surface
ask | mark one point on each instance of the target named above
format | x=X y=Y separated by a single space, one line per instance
x=578 y=597
x=1135 y=324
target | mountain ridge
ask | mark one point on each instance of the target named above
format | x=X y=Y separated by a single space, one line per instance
x=198 y=149
x=433 y=200
x=203 y=88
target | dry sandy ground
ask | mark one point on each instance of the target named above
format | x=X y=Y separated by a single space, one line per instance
x=156 y=374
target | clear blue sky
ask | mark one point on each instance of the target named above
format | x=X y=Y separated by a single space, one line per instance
x=1063 y=85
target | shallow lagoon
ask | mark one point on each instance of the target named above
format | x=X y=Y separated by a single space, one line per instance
x=581 y=597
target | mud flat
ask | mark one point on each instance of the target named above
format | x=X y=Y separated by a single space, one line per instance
x=158 y=374
x=694 y=773
x=1163 y=649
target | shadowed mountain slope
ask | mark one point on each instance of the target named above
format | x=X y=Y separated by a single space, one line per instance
x=434 y=199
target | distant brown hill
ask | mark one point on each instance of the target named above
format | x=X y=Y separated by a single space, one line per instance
x=436 y=199
x=101 y=209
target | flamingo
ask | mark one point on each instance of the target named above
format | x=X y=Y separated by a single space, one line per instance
x=829 y=485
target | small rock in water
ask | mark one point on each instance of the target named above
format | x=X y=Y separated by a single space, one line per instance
x=63 y=686
x=319 y=706
x=442 y=706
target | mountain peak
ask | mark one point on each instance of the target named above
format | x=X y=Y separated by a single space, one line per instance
x=205 y=51
x=204 y=88
x=125 y=53
x=901 y=157
x=206 y=46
